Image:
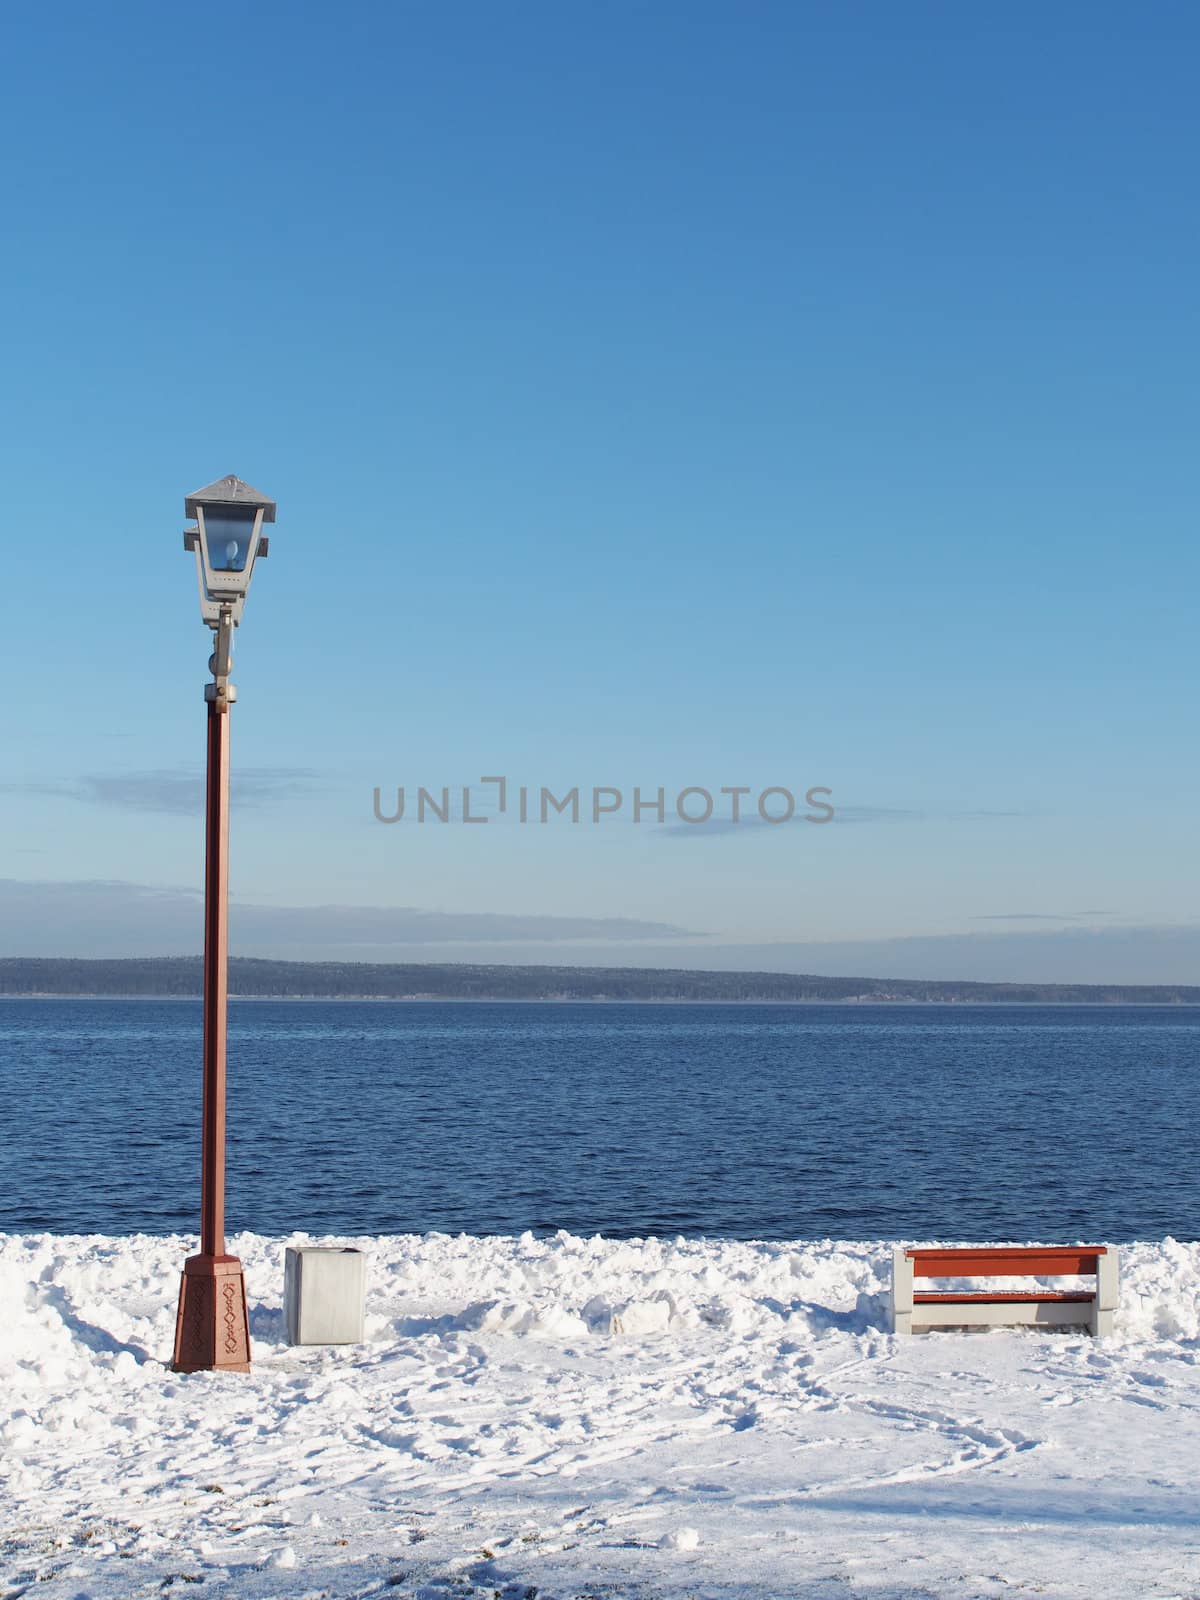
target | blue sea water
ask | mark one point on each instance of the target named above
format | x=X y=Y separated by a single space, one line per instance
x=737 y=1121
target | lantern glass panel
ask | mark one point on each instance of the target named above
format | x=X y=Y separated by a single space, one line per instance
x=228 y=530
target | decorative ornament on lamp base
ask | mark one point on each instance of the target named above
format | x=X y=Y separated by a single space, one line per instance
x=212 y=1332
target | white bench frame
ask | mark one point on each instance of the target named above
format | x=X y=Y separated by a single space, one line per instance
x=1095 y=1313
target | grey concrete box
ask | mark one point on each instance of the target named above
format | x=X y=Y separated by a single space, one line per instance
x=324 y=1288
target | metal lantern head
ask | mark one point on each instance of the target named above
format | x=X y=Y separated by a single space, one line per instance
x=228 y=538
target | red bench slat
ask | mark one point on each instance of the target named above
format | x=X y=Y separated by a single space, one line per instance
x=1000 y=1261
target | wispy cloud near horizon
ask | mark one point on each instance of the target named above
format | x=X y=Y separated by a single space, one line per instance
x=174 y=792
x=94 y=918
x=1040 y=916
x=102 y=917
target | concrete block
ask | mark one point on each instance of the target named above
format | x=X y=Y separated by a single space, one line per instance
x=324 y=1291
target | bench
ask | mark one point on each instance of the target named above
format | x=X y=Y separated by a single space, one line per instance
x=913 y=1310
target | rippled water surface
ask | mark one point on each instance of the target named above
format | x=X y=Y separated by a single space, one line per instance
x=743 y=1121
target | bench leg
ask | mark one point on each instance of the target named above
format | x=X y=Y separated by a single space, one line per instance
x=902 y=1292
x=1107 y=1294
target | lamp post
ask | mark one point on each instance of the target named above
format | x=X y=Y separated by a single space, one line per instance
x=212 y=1333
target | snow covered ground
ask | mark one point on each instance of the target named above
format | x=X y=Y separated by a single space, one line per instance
x=591 y=1417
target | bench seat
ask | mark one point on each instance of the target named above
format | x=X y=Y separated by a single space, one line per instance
x=914 y=1311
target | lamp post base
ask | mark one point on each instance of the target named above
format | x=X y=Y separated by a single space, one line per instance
x=212 y=1333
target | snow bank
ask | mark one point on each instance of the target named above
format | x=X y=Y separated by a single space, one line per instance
x=582 y=1415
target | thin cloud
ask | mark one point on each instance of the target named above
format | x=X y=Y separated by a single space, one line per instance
x=1041 y=916
x=857 y=815
x=722 y=825
x=896 y=814
x=112 y=918
x=172 y=792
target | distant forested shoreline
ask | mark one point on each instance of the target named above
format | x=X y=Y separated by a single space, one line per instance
x=181 y=977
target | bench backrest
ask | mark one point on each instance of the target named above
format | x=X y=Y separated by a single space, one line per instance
x=1006 y=1261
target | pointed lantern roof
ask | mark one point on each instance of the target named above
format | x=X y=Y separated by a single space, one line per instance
x=229 y=491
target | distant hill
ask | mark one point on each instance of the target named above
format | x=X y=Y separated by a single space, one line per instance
x=181 y=977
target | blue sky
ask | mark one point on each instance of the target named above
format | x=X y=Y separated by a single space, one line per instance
x=673 y=394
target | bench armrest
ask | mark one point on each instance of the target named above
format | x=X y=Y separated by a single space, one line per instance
x=902 y=1290
x=1108 y=1280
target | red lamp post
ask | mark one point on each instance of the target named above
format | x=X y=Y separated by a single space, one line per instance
x=212 y=1332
